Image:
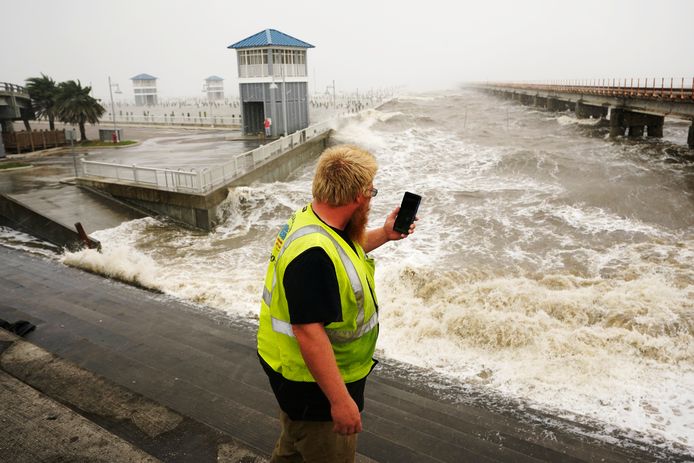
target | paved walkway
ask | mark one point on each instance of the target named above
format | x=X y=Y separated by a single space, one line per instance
x=201 y=366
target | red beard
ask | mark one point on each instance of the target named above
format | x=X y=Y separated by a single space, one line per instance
x=356 y=227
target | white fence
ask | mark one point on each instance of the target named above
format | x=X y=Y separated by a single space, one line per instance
x=202 y=121
x=204 y=180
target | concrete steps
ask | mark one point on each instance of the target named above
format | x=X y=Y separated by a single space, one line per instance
x=55 y=411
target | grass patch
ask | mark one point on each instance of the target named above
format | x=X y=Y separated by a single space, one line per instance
x=13 y=165
x=92 y=143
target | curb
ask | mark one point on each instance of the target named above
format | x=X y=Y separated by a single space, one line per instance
x=101 y=420
x=13 y=169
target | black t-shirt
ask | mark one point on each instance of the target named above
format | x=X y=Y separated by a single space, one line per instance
x=313 y=296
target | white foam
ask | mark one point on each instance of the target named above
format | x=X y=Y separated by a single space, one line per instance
x=15 y=239
x=595 y=347
x=570 y=120
x=595 y=220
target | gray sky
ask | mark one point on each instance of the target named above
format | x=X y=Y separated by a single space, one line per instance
x=431 y=44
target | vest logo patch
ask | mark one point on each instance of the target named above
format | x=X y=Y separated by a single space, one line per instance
x=280 y=238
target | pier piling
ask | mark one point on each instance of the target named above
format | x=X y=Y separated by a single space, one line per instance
x=633 y=109
x=617 y=127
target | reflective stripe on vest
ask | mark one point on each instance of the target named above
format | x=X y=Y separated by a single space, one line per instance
x=336 y=336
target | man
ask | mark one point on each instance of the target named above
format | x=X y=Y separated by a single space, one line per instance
x=319 y=315
x=267 y=123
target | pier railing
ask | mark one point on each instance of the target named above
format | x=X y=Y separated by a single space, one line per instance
x=653 y=88
x=202 y=181
x=8 y=88
x=164 y=119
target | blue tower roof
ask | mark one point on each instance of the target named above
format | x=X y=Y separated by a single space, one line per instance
x=270 y=37
x=143 y=77
x=214 y=78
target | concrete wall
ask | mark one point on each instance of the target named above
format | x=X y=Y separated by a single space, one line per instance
x=21 y=217
x=195 y=210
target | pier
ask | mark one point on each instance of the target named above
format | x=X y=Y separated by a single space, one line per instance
x=634 y=107
x=191 y=196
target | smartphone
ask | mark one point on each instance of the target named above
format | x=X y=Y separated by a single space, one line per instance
x=407 y=213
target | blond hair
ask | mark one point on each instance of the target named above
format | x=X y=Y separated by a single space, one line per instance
x=342 y=173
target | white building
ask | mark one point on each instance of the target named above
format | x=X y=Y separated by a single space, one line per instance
x=145 y=89
x=214 y=87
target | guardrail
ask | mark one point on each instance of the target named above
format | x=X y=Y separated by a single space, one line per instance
x=204 y=180
x=7 y=87
x=652 y=88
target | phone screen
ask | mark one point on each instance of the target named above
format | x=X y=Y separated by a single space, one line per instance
x=407 y=213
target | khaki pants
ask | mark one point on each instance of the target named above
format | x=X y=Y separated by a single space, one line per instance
x=312 y=442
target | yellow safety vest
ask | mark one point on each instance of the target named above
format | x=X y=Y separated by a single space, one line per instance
x=354 y=338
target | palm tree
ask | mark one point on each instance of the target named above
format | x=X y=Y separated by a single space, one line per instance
x=74 y=105
x=42 y=91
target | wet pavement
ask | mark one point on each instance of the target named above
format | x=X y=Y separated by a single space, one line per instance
x=182 y=150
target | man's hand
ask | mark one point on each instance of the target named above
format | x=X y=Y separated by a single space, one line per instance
x=393 y=235
x=346 y=417
x=380 y=236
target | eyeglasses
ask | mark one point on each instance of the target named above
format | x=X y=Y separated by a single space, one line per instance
x=374 y=192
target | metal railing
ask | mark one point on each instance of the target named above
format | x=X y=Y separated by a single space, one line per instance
x=6 y=87
x=204 y=180
x=202 y=121
x=652 y=88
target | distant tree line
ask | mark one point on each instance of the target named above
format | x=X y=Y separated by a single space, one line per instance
x=67 y=102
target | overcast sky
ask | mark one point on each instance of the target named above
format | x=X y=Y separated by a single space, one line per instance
x=430 y=44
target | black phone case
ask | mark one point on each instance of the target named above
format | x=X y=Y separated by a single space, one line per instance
x=406 y=216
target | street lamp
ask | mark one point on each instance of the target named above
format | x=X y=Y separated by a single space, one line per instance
x=333 y=89
x=113 y=109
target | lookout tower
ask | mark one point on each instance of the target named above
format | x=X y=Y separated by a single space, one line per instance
x=145 y=87
x=214 y=86
x=273 y=82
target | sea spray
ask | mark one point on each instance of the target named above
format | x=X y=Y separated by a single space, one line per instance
x=119 y=263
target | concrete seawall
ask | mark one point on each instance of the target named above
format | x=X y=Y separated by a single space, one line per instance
x=199 y=210
x=280 y=168
x=21 y=217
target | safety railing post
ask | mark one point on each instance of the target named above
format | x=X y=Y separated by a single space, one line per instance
x=671 y=79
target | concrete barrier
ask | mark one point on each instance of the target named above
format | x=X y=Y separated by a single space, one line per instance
x=280 y=168
x=21 y=217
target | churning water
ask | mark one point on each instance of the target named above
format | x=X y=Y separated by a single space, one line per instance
x=549 y=264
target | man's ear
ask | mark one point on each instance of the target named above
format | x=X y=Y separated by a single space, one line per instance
x=361 y=199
